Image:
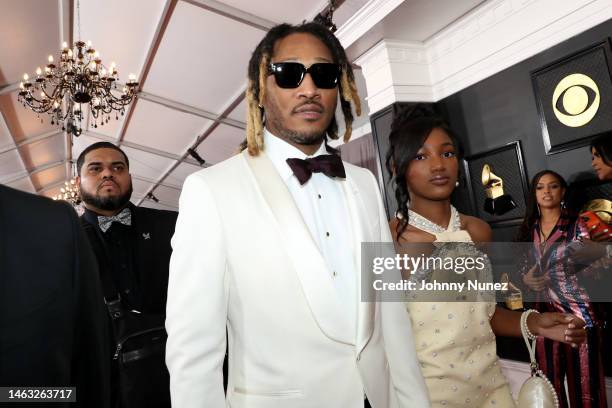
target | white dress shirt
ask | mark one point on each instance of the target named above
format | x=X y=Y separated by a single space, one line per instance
x=323 y=206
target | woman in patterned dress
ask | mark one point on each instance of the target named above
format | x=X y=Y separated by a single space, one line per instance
x=455 y=340
x=553 y=274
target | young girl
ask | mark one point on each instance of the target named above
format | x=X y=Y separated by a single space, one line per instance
x=455 y=340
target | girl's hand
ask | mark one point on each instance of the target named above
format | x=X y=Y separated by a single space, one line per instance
x=562 y=327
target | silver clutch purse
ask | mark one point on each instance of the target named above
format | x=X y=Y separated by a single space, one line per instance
x=537 y=391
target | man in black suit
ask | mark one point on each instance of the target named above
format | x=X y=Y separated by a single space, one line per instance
x=132 y=246
x=52 y=318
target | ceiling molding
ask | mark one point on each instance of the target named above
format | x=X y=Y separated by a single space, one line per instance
x=492 y=37
x=162 y=25
x=233 y=13
x=181 y=107
x=373 y=12
x=506 y=34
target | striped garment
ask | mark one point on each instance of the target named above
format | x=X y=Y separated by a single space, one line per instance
x=582 y=366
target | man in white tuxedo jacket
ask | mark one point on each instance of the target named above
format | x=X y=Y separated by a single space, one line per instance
x=267 y=249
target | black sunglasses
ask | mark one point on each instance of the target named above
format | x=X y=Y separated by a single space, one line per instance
x=291 y=74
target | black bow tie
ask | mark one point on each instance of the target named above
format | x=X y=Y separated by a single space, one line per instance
x=328 y=164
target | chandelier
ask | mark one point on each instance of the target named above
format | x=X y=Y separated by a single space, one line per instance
x=79 y=78
x=70 y=192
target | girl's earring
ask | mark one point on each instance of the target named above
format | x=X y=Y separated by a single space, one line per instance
x=457 y=183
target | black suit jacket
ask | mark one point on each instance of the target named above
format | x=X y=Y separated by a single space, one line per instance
x=153 y=230
x=52 y=318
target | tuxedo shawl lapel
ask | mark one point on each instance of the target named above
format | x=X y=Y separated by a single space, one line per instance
x=307 y=261
x=361 y=233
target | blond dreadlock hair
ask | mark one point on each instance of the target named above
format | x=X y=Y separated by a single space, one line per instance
x=259 y=70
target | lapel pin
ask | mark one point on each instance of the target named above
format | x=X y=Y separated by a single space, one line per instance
x=146 y=235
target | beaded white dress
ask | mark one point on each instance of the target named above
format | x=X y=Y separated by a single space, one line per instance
x=454 y=340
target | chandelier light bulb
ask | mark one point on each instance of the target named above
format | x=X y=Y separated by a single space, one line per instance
x=79 y=81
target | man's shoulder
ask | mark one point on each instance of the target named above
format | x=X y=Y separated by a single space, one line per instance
x=155 y=213
x=22 y=202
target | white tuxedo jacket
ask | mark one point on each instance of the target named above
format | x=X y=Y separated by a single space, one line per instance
x=244 y=260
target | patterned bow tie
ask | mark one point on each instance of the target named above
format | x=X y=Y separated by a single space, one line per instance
x=124 y=217
x=328 y=164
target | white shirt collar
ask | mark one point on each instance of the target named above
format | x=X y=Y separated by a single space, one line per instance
x=279 y=151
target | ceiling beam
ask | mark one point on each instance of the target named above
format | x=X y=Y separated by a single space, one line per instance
x=233 y=13
x=142 y=148
x=162 y=202
x=162 y=25
x=46 y=167
x=148 y=180
x=30 y=173
x=4 y=127
x=31 y=140
x=51 y=187
x=66 y=23
x=181 y=107
x=9 y=88
x=235 y=102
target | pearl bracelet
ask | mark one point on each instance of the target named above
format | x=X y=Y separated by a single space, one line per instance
x=524 y=327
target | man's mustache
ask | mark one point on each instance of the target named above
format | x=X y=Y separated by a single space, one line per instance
x=309 y=102
x=106 y=181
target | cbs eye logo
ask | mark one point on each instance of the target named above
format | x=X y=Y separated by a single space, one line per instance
x=575 y=100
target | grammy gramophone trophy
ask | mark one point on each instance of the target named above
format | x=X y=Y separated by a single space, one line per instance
x=496 y=203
